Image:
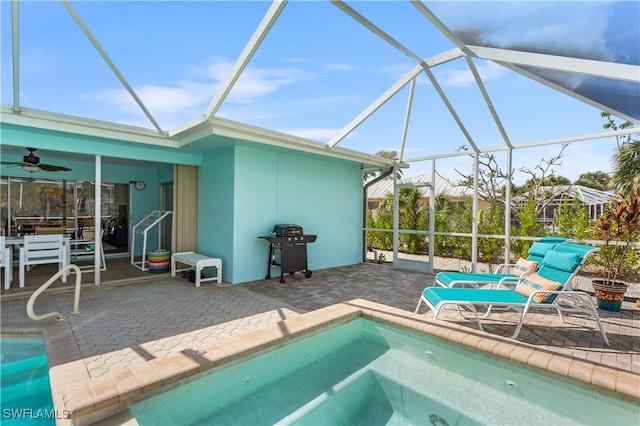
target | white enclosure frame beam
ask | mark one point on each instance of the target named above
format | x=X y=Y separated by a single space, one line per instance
x=468 y=54
x=590 y=67
x=487 y=100
x=394 y=89
x=568 y=139
x=245 y=57
x=375 y=29
x=567 y=92
x=15 y=55
x=407 y=118
x=388 y=94
x=109 y=62
x=451 y=109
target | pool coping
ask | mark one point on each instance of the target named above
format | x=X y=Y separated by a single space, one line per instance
x=87 y=400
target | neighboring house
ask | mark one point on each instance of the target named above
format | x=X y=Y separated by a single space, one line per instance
x=443 y=187
x=594 y=199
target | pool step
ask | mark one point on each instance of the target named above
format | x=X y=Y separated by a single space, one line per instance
x=26 y=391
x=22 y=365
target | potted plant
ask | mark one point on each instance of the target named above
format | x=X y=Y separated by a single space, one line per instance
x=618 y=226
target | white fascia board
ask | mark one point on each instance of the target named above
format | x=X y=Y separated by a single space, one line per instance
x=84 y=126
x=560 y=63
x=223 y=127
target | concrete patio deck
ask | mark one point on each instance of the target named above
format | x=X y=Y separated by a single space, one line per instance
x=131 y=321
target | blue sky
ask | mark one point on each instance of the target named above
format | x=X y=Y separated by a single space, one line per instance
x=318 y=69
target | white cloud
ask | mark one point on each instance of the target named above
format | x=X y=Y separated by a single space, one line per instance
x=253 y=83
x=185 y=99
x=464 y=78
x=576 y=29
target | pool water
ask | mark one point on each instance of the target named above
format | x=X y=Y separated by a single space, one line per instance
x=365 y=372
x=25 y=393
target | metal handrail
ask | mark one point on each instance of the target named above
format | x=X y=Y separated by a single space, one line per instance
x=43 y=287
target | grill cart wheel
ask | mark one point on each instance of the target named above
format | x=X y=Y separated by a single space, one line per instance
x=307 y=274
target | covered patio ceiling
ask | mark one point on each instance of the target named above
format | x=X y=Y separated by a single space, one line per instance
x=339 y=48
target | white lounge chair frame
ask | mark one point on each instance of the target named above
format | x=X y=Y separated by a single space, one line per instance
x=565 y=301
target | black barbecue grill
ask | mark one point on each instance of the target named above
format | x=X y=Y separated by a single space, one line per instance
x=288 y=250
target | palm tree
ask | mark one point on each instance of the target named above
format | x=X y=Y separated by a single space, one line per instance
x=626 y=159
x=626 y=165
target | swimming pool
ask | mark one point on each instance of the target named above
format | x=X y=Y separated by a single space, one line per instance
x=25 y=392
x=367 y=372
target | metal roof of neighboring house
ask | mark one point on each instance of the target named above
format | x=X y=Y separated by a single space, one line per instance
x=588 y=196
x=384 y=187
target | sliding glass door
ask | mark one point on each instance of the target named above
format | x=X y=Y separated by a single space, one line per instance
x=28 y=204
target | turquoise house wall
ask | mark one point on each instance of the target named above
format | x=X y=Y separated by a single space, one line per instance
x=243 y=192
x=255 y=207
x=321 y=195
x=215 y=207
x=327 y=202
x=165 y=174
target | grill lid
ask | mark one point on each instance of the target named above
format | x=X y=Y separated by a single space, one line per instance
x=285 y=230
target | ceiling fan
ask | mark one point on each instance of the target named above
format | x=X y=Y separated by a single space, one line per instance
x=31 y=163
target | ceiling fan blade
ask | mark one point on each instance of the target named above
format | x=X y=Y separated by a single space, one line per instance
x=52 y=168
x=11 y=163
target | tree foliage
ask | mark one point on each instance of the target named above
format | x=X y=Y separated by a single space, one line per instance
x=595 y=180
x=626 y=164
x=572 y=219
x=626 y=159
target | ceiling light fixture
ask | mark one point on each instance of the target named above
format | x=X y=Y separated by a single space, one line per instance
x=31 y=167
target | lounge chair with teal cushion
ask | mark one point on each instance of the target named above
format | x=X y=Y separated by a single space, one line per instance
x=536 y=253
x=547 y=288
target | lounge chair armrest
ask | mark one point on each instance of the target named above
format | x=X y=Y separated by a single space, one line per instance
x=508 y=281
x=504 y=267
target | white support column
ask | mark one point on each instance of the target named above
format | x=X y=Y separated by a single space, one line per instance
x=432 y=216
x=474 y=219
x=396 y=216
x=15 y=38
x=97 y=225
x=407 y=118
x=507 y=208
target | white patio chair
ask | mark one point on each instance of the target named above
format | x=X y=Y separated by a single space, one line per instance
x=6 y=263
x=40 y=250
x=87 y=250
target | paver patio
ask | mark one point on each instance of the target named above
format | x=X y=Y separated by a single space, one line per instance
x=130 y=322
